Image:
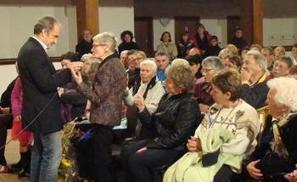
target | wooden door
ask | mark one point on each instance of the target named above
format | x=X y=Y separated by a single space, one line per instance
x=183 y=24
x=232 y=23
x=144 y=34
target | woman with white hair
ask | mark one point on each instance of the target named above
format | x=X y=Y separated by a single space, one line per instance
x=276 y=154
x=106 y=94
x=150 y=89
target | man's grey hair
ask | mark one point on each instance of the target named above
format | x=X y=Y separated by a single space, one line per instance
x=259 y=58
x=46 y=23
x=286 y=91
x=106 y=38
x=151 y=64
x=213 y=62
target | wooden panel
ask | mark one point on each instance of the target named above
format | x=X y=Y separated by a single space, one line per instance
x=87 y=14
x=183 y=24
x=251 y=20
x=144 y=34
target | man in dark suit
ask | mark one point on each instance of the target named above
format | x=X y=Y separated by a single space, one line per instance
x=41 y=105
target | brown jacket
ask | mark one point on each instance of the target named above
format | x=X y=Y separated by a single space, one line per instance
x=106 y=92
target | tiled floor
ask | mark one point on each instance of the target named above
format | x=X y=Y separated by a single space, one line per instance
x=12 y=155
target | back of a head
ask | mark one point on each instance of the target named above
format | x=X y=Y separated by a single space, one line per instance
x=214 y=62
x=46 y=23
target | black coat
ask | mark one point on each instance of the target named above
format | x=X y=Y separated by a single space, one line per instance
x=255 y=95
x=173 y=123
x=40 y=81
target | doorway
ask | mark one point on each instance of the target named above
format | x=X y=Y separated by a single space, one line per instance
x=144 y=34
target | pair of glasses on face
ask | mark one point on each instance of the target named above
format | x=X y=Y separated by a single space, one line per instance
x=206 y=70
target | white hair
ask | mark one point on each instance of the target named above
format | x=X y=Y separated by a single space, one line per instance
x=286 y=91
x=259 y=58
x=150 y=63
x=108 y=38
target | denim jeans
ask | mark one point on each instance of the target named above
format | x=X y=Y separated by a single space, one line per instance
x=46 y=156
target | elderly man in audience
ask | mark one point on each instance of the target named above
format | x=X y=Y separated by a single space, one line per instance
x=254 y=77
x=151 y=90
x=174 y=121
x=134 y=59
x=282 y=67
x=226 y=135
x=276 y=155
x=210 y=66
x=162 y=61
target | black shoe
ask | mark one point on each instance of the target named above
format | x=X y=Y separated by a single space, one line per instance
x=16 y=167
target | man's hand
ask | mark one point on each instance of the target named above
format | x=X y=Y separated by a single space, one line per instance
x=4 y=110
x=245 y=76
x=253 y=171
x=292 y=177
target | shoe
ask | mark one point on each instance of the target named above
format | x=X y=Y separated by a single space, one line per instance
x=4 y=169
x=15 y=168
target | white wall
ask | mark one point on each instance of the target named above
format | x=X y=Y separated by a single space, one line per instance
x=8 y=73
x=17 y=24
x=217 y=27
x=116 y=20
x=279 y=31
x=158 y=29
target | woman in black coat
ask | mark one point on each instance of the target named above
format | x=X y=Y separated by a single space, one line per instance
x=169 y=127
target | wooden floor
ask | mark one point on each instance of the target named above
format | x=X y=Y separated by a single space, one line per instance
x=12 y=156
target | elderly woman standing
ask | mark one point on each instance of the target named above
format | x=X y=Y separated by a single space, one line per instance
x=210 y=66
x=276 y=154
x=150 y=89
x=173 y=122
x=224 y=138
x=106 y=95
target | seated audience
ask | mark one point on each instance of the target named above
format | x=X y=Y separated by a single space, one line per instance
x=5 y=123
x=238 y=40
x=124 y=58
x=233 y=62
x=167 y=46
x=151 y=90
x=162 y=61
x=281 y=67
x=184 y=45
x=254 y=77
x=226 y=136
x=210 y=66
x=279 y=52
x=173 y=122
x=276 y=154
x=85 y=45
x=127 y=42
x=195 y=63
x=268 y=53
x=225 y=53
x=134 y=59
x=294 y=53
x=201 y=39
x=214 y=48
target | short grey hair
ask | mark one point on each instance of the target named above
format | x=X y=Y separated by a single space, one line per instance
x=151 y=64
x=286 y=93
x=213 y=62
x=106 y=38
x=46 y=23
x=259 y=58
x=227 y=52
